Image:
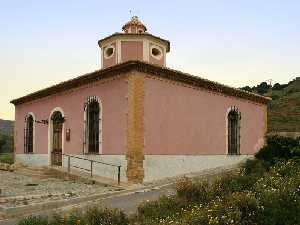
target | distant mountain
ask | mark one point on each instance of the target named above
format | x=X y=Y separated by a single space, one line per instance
x=284 y=109
x=6 y=126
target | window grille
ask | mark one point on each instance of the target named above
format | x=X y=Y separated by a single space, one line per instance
x=234 y=118
x=28 y=134
x=92 y=125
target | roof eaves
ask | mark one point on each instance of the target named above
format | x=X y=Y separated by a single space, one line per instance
x=151 y=69
x=129 y=34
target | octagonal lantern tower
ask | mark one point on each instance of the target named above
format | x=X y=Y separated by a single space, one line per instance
x=134 y=43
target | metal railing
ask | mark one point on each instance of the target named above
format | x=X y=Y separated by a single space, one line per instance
x=92 y=162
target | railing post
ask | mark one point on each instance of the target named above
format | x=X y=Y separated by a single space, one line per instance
x=69 y=164
x=119 y=175
x=91 y=168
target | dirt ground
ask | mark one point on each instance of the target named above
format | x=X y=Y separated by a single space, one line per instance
x=17 y=189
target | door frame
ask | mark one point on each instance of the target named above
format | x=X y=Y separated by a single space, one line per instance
x=50 y=135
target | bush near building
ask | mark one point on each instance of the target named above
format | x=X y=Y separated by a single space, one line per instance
x=6 y=158
x=6 y=142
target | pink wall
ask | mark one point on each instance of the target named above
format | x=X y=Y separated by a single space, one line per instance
x=131 y=50
x=153 y=60
x=191 y=121
x=114 y=105
x=111 y=61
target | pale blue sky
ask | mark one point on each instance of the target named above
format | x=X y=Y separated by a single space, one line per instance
x=237 y=43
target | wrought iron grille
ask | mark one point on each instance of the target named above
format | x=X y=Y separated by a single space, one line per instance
x=57 y=117
x=92 y=125
x=28 y=134
x=234 y=117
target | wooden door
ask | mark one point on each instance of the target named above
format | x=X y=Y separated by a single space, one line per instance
x=57 y=144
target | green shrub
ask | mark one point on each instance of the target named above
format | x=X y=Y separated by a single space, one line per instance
x=279 y=193
x=238 y=208
x=229 y=183
x=198 y=191
x=34 y=220
x=7 y=158
x=164 y=207
x=295 y=151
x=93 y=216
x=278 y=147
x=97 y=216
x=255 y=167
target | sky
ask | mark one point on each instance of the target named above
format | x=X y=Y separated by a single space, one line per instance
x=233 y=42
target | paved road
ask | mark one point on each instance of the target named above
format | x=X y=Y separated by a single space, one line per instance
x=128 y=202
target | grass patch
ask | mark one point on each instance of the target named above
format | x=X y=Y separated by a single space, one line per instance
x=7 y=158
x=92 y=216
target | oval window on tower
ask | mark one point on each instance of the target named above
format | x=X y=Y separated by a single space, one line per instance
x=109 y=51
x=156 y=52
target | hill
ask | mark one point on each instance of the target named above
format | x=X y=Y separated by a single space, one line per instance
x=6 y=138
x=6 y=126
x=284 y=109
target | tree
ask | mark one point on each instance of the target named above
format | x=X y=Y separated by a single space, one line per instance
x=3 y=140
x=247 y=88
x=263 y=88
x=277 y=86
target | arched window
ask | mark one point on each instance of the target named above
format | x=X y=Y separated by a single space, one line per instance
x=92 y=125
x=28 y=134
x=234 y=118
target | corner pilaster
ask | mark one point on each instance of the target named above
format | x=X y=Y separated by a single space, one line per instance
x=135 y=128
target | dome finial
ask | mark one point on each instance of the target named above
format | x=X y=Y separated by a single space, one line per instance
x=134 y=26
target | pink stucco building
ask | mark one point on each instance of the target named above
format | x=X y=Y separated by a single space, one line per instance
x=153 y=121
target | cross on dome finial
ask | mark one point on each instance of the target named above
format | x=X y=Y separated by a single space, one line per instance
x=134 y=26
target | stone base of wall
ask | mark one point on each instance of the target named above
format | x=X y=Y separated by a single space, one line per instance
x=98 y=169
x=155 y=166
x=33 y=159
x=162 y=166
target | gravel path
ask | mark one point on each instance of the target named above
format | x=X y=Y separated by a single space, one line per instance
x=19 y=189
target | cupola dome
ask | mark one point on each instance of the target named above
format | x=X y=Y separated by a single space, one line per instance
x=133 y=44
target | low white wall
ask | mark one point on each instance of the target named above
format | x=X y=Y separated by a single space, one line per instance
x=33 y=159
x=163 y=166
x=101 y=169
x=98 y=169
x=156 y=166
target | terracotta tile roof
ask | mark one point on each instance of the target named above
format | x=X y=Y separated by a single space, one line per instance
x=150 y=69
x=134 y=35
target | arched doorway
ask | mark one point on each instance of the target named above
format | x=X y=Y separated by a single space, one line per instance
x=234 y=117
x=57 y=121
